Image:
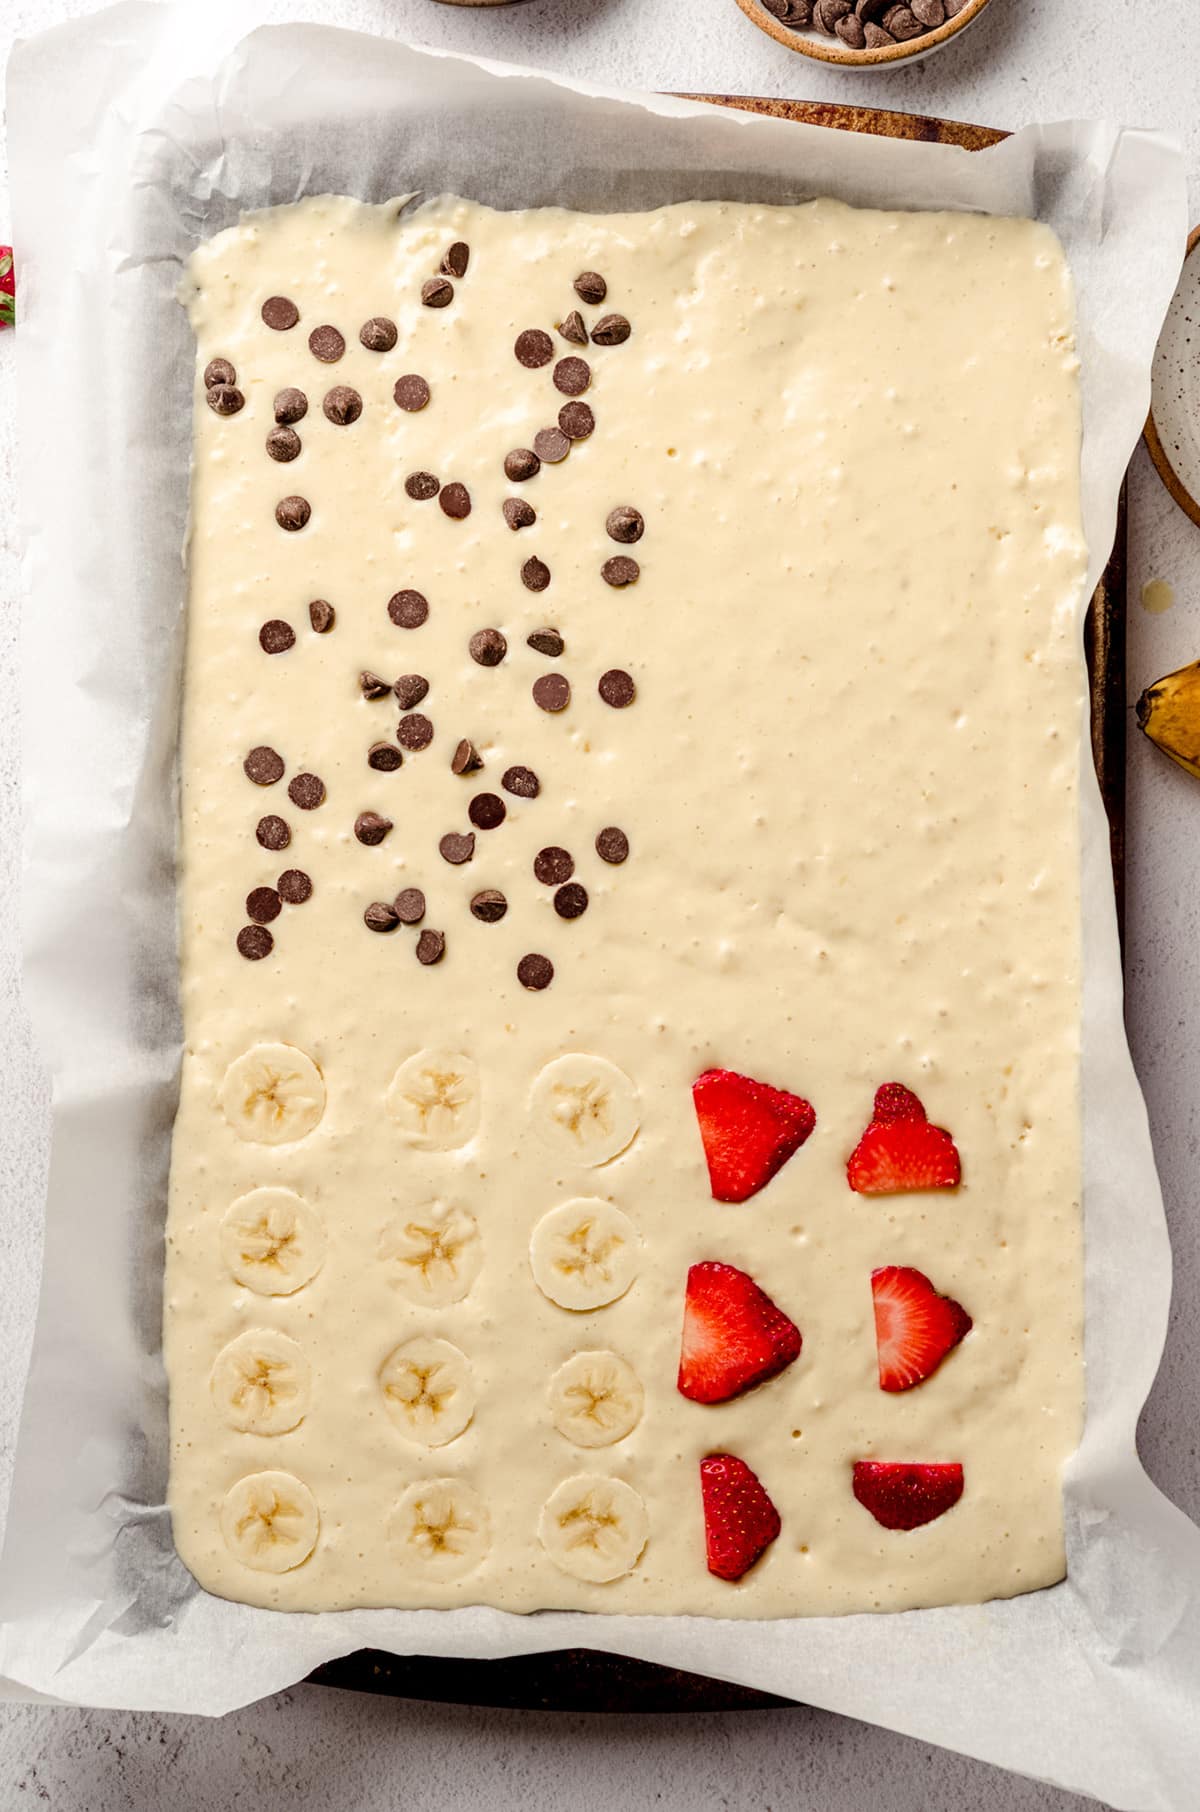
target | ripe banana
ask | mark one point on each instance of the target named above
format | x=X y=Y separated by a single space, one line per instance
x=273 y=1094
x=428 y=1390
x=584 y=1254
x=434 y=1098
x=440 y=1529
x=594 y=1528
x=584 y=1108
x=261 y=1383
x=432 y=1253
x=270 y=1522
x=595 y=1399
x=1169 y=713
x=272 y=1241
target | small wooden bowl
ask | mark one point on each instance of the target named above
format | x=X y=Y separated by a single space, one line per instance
x=1171 y=431
x=813 y=43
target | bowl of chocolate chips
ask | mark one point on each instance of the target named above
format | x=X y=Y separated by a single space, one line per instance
x=864 y=34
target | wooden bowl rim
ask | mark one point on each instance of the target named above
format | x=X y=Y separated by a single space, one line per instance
x=860 y=59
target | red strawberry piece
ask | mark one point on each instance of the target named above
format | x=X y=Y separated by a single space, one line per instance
x=8 y=287
x=740 y=1521
x=749 y=1131
x=900 y=1151
x=903 y=1496
x=914 y=1327
x=734 y=1337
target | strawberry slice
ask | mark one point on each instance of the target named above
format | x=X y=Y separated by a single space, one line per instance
x=740 y=1521
x=734 y=1337
x=914 y=1327
x=749 y=1131
x=901 y=1495
x=900 y=1151
x=8 y=287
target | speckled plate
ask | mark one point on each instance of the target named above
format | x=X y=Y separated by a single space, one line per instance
x=1173 y=430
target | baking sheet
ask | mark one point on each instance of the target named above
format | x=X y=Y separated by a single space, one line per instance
x=133 y=134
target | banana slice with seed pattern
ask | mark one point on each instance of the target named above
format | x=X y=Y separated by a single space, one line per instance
x=261 y=1383
x=428 y=1389
x=272 y=1241
x=270 y=1522
x=594 y=1528
x=273 y=1094
x=584 y=1108
x=434 y=1098
x=595 y=1399
x=433 y=1253
x=584 y=1253
x=440 y=1529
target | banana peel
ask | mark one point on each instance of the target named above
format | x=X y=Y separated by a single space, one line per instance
x=1169 y=713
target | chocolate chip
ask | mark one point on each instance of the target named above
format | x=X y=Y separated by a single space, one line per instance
x=571 y=902
x=378 y=334
x=276 y=637
x=546 y=641
x=380 y=917
x=489 y=905
x=612 y=845
x=414 y=732
x=410 y=392
x=455 y=263
x=307 y=791
x=521 y=781
x=576 y=420
x=410 y=689
x=551 y=445
x=219 y=371
x=408 y=609
x=455 y=501
x=625 y=524
x=517 y=513
x=254 y=942
x=901 y=22
x=535 y=574
x=553 y=865
x=431 y=947
x=263 y=904
x=372 y=686
x=292 y=513
x=535 y=972
x=421 y=486
x=533 y=348
x=488 y=647
x=283 y=444
x=409 y=906
x=852 y=32
x=371 y=828
x=466 y=758
x=225 y=399
x=590 y=287
x=437 y=292
x=612 y=330
x=263 y=765
x=573 y=329
x=617 y=688
x=280 y=313
x=457 y=848
x=520 y=464
x=342 y=405
x=486 y=811
x=620 y=570
x=295 y=886
x=272 y=832
x=384 y=758
x=876 y=38
x=291 y=405
x=552 y=692
x=326 y=343
x=931 y=13
x=572 y=376
x=322 y=616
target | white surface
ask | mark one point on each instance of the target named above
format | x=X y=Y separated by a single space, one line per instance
x=1023 y=60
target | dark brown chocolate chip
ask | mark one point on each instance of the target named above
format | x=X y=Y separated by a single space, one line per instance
x=326 y=343
x=437 y=292
x=590 y=287
x=535 y=972
x=292 y=513
x=533 y=348
x=489 y=905
x=384 y=758
x=617 y=688
x=263 y=765
x=219 y=371
x=612 y=845
x=571 y=902
x=411 y=392
x=456 y=847
x=551 y=445
x=572 y=376
x=611 y=330
x=272 y=832
x=295 y=886
x=553 y=865
x=225 y=399
x=379 y=916
x=342 y=405
x=488 y=647
x=517 y=513
x=409 y=906
x=371 y=828
x=414 y=732
x=280 y=312
x=521 y=781
x=254 y=942
x=378 y=334
x=307 y=791
x=408 y=609
x=520 y=464
x=371 y=685
x=466 y=758
x=276 y=637
x=620 y=570
x=291 y=405
x=552 y=692
x=457 y=258
x=455 y=501
x=573 y=329
x=263 y=904
x=546 y=641
x=625 y=524
x=283 y=444
x=486 y=811
x=421 y=486
x=431 y=948
x=576 y=420
x=322 y=616
x=535 y=574
x=410 y=689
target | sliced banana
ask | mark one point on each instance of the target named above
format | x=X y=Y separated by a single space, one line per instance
x=594 y=1528
x=434 y=1098
x=428 y=1389
x=584 y=1108
x=273 y=1241
x=595 y=1399
x=270 y=1521
x=261 y=1383
x=440 y=1529
x=273 y=1094
x=433 y=1253
x=584 y=1253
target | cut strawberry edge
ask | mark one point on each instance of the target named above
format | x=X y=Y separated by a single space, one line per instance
x=893 y=1101
x=900 y=1152
x=740 y=1521
x=916 y=1328
x=748 y=1129
x=734 y=1336
x=904 y=1494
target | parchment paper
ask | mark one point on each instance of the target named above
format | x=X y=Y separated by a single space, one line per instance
x=133 y=134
